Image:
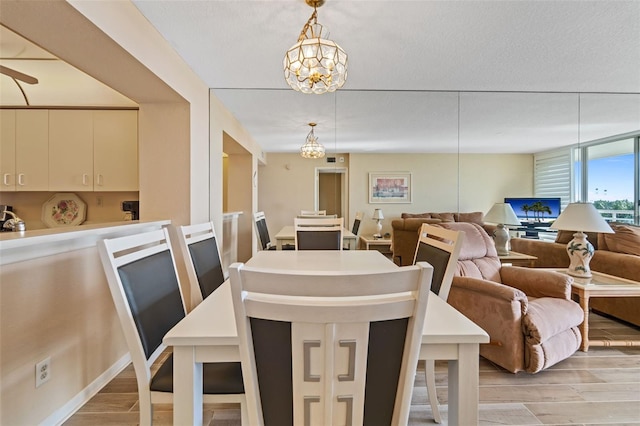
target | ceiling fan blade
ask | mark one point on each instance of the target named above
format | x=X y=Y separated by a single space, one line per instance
x=18 y=75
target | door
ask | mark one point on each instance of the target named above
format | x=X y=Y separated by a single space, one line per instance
x=331 y=191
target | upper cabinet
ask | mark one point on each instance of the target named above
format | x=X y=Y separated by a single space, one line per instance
x=68 y=150
x=24 y=153
x=115 y=150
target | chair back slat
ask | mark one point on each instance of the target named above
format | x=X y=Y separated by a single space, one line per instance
x=349 y=353
x=439 y=247
x=200 y=252
x=262 y=231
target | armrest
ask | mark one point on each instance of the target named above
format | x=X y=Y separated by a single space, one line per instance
x=498 y=310
x=537 y=283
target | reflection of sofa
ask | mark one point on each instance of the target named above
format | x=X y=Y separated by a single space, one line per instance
x=616 y=254
x=405 y=231
x=528 y=313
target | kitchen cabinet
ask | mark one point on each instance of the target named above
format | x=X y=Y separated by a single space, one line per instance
x=115 y=150
x=24 y=152
x=93 y=150
x=70 y=150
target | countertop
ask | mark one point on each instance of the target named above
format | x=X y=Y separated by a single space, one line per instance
x=25 y=245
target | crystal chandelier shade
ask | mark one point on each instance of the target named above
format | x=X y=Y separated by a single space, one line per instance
x=311 y=147
x=315 y=64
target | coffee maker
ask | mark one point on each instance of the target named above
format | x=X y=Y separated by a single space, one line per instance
x=4 y=217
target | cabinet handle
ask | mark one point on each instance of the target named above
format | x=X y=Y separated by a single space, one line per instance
x=21 y=179
x=99 y=179
x=84 y=179
x=5 y=179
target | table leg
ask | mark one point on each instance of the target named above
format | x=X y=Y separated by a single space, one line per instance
x=463 y=386
x=583 y=299
x=278 y=244
x=187 y=387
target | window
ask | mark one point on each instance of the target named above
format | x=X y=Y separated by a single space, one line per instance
x=605 y=172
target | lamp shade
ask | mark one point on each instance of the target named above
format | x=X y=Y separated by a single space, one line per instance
x=581 y=217
x=377 y=214
x=502 y=213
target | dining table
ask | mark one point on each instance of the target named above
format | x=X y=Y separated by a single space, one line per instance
x=208 y=334
x=287 y=235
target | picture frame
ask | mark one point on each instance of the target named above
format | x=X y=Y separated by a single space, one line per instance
x=389 y=187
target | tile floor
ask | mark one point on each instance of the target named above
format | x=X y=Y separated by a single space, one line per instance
x=600 y=387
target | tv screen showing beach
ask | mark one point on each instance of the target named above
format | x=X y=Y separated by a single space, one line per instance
x=535 y=209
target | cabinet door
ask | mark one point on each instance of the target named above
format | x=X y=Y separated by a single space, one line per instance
x=7 y=150
x=70 y=150
x=32 y=150
x=115 y=150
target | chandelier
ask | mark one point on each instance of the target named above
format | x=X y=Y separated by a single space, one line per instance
x=311 y=147
x=315 y=64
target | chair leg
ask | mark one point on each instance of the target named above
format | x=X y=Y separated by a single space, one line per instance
x=244 y=413
x=430 y=377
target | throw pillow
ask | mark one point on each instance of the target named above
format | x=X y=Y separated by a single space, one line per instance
x=445 y=217
x=473 y=217
x=564 y=237
x=419 y=215
x=626 y=239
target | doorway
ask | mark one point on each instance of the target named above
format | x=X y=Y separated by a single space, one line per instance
x=331 y=190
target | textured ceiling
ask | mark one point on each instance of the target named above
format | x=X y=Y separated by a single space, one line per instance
x=408 y=61
x=424 y=76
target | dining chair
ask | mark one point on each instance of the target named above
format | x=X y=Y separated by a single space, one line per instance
x=356 y=227
x=146 y=291
x=318 y=234
x=263 y=233
x=440 y=248
x=329 y=348
x=199 y=248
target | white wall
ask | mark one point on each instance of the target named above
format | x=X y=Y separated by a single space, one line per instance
x=441 y=183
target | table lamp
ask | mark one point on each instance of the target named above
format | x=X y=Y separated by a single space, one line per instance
x=377 y=216
x=502 y=214
x=581 y=218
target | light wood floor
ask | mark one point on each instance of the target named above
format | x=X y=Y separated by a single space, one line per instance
x=599 y=387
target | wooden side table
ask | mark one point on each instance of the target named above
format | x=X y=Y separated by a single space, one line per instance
x=383 y=245
x=518 y=259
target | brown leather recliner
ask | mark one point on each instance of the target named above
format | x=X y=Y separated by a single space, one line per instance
x=528 y=313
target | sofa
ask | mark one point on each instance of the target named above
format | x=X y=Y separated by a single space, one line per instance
x=615 y=254
x=528 y=313
x=406 y=229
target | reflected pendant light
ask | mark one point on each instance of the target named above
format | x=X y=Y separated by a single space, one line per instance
x=315 y=64
x=311 y=147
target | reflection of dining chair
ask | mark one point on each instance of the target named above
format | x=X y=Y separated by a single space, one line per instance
x=328 y=348
x=318 y=234
x=199 y=248
x=313 y=212
x=142 y=278
x=439 y=247
x=356 y=227
x=263 y=233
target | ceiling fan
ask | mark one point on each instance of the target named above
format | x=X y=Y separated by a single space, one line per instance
x=17 y=75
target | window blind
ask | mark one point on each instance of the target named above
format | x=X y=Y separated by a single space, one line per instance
x=552 y=175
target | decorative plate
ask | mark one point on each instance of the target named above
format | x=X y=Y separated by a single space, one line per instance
x=63 y=209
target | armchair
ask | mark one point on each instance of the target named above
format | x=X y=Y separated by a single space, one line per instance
x=528 y=313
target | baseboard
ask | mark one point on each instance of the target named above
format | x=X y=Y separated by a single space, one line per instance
x=63 y=413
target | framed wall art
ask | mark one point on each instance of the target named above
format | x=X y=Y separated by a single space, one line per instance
x=389 y=187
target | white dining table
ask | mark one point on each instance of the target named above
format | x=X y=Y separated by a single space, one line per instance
x=208 y=334
x=287 y=235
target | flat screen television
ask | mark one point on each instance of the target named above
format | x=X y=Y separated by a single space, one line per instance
x=535 y=209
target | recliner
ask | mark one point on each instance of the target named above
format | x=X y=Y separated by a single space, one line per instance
x=528 y=313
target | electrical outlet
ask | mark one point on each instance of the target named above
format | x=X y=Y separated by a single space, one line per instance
x=43 y=371
x=99 y=201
